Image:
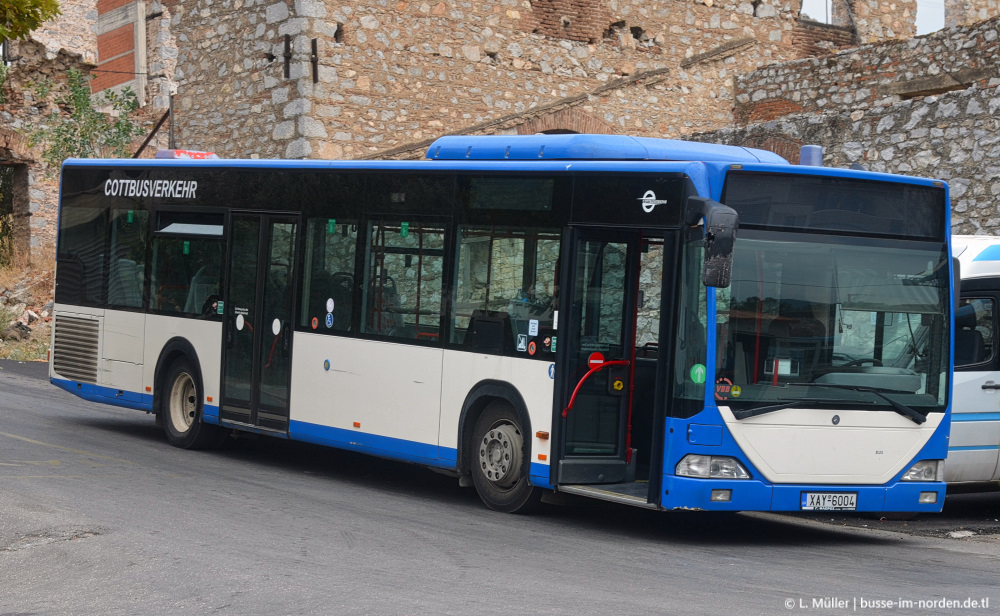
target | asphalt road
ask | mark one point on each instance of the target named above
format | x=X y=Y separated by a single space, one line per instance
x=98 y=515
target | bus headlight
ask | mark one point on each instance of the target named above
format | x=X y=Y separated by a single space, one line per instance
x=711 y=467
x=925 y=470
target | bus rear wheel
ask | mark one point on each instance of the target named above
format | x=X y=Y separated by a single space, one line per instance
x=500 y=462
x=182 y=410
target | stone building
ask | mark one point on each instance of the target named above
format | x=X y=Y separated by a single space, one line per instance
x=33 y=66
x=120 y=43
x=312 y=78
x=383 y=78
x=927 y=106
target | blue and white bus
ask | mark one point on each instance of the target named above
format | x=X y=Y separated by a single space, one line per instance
x=974 y=448
x=534 y=314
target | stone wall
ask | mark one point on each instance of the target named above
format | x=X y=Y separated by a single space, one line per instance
x=954 y=137
x=74 y=31
x=880 y=20
x=872 y=75
x=959 y=12
x=387 y=78
x=928 y=106
x=35 y=62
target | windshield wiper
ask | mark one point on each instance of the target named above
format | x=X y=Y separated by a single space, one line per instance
x=902 y=409
x=764 y=410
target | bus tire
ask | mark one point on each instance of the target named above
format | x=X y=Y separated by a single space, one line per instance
x=182 y=407
x=500 y=462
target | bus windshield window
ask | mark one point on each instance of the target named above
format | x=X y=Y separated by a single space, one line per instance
x=690 y=372
x=805 y=312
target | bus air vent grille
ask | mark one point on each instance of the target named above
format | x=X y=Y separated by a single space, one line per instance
x=75 y=350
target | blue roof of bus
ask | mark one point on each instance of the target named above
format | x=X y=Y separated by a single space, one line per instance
x=591 y=147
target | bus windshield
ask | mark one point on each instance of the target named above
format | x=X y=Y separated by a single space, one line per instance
x=842 y=317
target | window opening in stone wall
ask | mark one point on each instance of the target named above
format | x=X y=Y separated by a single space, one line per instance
x=6 y=215
x=830 y=12
x=614 y=29
x=816 y=10
x=930 y=16
x=5 y=53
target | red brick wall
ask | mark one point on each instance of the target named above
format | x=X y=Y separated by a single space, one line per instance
x=106 y=6
x=766 y=110
x=115 y=43
x=807 y=36
x=566 y=119
x=115 y=58
x=110 y=74
x=575 y=20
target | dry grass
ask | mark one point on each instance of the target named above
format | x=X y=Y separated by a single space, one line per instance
x=39 y=270
x=14 y=271
x=35 y=348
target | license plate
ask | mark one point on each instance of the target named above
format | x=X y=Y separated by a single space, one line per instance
x=829 y=501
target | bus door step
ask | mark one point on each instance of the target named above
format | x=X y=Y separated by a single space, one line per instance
x=634 y=493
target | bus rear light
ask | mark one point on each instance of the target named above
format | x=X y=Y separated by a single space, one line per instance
x=925 y=470
x=711 y=467
x=929 y=498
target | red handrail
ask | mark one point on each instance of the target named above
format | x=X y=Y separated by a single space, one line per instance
x=595 y=369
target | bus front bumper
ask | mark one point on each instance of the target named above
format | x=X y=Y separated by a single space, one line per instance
x=751 y=495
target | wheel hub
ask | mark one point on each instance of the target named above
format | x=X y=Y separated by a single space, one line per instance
x=500 y=455
x=183 y=403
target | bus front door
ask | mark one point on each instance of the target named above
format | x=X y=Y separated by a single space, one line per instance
x=597 y=368
x=258 y=321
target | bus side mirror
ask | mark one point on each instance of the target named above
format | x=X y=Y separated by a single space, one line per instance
x=721 y=222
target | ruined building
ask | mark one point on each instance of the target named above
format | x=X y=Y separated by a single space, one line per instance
x=381 y=78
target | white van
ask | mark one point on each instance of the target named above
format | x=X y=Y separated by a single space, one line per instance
x=975 y=429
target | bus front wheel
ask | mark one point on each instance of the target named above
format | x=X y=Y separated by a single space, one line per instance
x=500 y=463
x=182 y=409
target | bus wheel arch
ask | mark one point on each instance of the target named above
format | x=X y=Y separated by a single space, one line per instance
x=178 y=398
x=495 y=420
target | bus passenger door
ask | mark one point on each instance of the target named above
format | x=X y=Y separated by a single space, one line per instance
x=258 y=323
x=597 y=370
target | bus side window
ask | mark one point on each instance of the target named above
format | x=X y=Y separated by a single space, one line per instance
x=506 y=281
x=404 y=280
x=82 y=246
x=185 y=274
x=328 y=289
x=974 y=332
x=129 y=230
